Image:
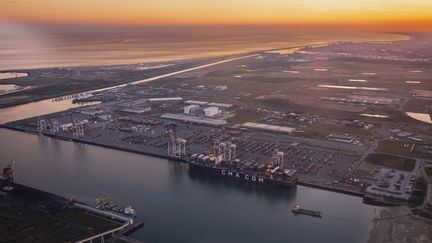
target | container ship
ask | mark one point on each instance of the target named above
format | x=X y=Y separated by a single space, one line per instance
x=221 y=161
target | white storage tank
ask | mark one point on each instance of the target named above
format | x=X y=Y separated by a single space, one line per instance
x=190 y=109
x=211 y=111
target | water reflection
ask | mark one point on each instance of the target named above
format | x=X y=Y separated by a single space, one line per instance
x=63 y=103
x=37 y=109
x=191 y=206
x=424 y=117
x=7 y=75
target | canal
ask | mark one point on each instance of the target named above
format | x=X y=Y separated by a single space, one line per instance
x=181 y=206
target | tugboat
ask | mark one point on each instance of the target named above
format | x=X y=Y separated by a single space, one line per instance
x=298 y=210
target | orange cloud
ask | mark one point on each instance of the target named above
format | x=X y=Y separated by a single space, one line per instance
x=395 y=14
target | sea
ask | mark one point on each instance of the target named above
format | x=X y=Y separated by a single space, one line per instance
x=28 y=46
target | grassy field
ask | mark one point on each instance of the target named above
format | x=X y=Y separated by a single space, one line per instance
x=327 y=129
x=400 y=148
x=81 y=217
x=323 y=130
x=420 y=191
x=244 y=116
x=69 y=225
x=390 y=161
x=428 y=171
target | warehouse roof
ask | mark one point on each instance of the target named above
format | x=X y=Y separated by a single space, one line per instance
x=194 y=119
x=268 y=127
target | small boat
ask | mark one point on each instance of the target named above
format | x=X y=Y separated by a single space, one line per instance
x=106 y=204
x=129 y=211
x=298 y=210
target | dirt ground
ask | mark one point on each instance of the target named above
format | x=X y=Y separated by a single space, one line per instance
x=397 y=224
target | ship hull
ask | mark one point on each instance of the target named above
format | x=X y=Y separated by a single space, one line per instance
x=241 y=176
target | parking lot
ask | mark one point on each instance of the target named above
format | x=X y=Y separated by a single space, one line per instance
x=393 y=183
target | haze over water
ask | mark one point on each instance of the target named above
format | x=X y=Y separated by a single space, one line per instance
x=37 y=46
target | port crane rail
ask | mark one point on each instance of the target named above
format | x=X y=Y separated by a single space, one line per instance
x=176 y=145
x=53 y=127
x=8 y=172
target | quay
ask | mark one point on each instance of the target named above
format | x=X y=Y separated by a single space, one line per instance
x=22 y=207
x=162 y=154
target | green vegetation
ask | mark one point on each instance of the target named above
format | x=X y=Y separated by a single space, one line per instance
x=323 y=130
x=81 y=217
x=244 y=116
x=400 y=148
x=417 y=105
x=428 y=171
x=420 y=190
x=69 y=225
x=14 y=220
x=391 y=161
x=327 y=129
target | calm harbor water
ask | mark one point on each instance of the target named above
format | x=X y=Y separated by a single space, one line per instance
x=180 y=206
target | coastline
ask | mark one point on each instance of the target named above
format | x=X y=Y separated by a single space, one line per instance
x=282 y=38
x=398 y=224
x=378 y=231
x=139 y=193
x=402 y=37
x=384 y=227
x=199 y=59
x=187 y=66
x=126 y=225
x=162 y=156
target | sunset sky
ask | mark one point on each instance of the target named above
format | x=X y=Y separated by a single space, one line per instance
x=403 y=14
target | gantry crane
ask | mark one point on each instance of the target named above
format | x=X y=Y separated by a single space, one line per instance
x=8 y=172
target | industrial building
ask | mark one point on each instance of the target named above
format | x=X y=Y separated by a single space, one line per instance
x=267 y=127
x=92 y=112
x=211 y=111
x=194 y=119
x=341 y=138
x=221 y=87
x=167 y=99
x=191 y=109
x=196 y=102
x=137 y=110
x=221 y=105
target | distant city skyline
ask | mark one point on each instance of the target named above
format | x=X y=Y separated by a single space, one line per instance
x=366 y=14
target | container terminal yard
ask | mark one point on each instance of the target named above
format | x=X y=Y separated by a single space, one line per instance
x=149 y=120
x=150 y=125
x=181 y=116
x=359 y=140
